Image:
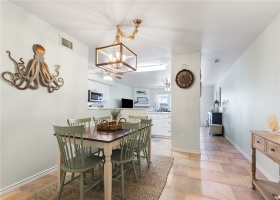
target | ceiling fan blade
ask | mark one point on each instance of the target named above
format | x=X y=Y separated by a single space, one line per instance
x=118 y=73
x=117 y=77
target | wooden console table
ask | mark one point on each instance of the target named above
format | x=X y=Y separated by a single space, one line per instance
x=269 y=145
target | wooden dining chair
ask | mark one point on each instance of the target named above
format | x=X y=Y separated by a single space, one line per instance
x=76 y=160
x=126 y=153
x=136 y=119
x=82 y=121
x=86 y=123
x=142 y=141
x=98 y=120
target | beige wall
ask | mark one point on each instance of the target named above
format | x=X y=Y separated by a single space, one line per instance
x=185 y=106
x=251 y=93
x=28 y=146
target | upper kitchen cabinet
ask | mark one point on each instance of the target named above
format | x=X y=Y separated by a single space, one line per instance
x=98 y=84
x=101 y=88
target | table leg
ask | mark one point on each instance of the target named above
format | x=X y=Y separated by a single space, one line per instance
x=108 y=172
x=59 y=171
x=149 y=146
x=253 y=166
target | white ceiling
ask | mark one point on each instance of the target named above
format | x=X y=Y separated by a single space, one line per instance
x=218 y=29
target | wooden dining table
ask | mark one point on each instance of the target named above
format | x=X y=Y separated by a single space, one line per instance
x=106 y=140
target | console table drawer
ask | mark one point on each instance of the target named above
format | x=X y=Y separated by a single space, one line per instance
x=258 y=142
x=272 y=150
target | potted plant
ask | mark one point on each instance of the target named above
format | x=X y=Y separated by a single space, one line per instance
x=116 y=114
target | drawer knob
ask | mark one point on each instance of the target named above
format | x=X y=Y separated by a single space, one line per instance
x=258 y=141
x=272 y=149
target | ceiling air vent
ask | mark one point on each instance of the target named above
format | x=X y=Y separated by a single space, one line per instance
x=66 y=43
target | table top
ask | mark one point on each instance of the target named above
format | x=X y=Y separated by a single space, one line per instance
x=92 y=133
x=275 y=137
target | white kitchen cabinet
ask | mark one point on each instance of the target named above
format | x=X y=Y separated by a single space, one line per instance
x=100 y=87
x=167 y=127
x=161 y=124
x=157 y=128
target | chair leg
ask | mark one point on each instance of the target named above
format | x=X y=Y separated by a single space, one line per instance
x=139 y=162
x=61 y=185
x=147 y=157
x=101 y=171
x=92 y=174
x=82 y=187
x=101 y=176
x=122 y=181
x=135 y=174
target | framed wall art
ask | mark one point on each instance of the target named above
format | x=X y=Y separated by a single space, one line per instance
x=142 y=100
x=219 y=95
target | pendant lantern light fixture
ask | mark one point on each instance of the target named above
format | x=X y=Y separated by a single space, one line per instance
x=118 y=58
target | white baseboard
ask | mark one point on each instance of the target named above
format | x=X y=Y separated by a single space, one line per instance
x=267 y=175
x=26 y=181
x=185 y=150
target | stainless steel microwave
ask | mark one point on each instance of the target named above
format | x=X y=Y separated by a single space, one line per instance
x=94 y=96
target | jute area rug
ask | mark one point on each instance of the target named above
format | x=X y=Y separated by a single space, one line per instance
x=149 y=186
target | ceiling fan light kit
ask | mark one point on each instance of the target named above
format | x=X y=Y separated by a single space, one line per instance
x=118 y=58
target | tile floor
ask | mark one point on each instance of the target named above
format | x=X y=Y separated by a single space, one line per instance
x=220 y=172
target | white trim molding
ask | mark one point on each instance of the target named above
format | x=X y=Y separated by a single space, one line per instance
x=185 y=150
x=250 y=159
x=26 y=181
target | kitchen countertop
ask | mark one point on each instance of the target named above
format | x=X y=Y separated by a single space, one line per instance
x=153 y=112
x=91 y=108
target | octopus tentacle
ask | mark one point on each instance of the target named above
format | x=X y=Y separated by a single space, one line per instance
x=36 y=84
x=36 y=71
x=17 y=64
x=21 y=81
x=45 y=72
x=30 y=73
x=42 y=79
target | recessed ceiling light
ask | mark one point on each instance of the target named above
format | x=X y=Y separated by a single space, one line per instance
x=148 y=68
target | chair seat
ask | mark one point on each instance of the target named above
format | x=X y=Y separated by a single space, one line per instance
x=116 y=156
x=89 y=162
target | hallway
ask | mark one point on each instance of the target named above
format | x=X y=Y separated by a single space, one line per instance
x=220 y=172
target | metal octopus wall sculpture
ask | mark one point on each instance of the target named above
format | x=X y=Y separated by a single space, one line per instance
x=36 y=71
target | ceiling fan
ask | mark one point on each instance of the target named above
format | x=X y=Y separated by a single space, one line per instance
x=167 y=84
x=106 y=75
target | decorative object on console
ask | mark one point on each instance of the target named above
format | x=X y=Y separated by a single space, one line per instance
x=216 y=106
x=184 y=78
x=219 y=95
x=36 y=71
x=117 y=58
x=277 y=197
x=273 y=123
